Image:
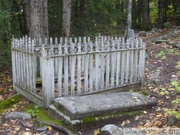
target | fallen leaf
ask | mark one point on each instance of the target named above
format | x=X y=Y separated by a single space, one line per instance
x=96 y=132
x=49 y=128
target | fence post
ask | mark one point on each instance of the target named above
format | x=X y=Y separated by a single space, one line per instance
x=47 y=77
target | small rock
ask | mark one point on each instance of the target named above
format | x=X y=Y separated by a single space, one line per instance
x=154 y=78
x=18 y=115
x=154 y=30
x=26 y=124
x=41 y=129
x=142 y=33
x=176 y=45
x=111 y=130
x=171 y=120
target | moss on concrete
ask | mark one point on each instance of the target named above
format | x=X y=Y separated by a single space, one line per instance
x=91 y=119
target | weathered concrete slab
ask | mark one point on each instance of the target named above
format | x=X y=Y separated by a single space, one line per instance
x=77 y=107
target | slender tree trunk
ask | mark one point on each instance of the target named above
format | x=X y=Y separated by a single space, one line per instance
x=139 y=15
x=177 y=10
x=129 y=18
x=66 y=18
x=38 y=19
x=134 y=12
x=26 y=15
x=160 y=13
x=145 y=14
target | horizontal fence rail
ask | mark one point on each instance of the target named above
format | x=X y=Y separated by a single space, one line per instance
x=75 y=66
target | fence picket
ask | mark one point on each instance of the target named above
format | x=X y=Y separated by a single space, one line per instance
x=96 y=73
x=60 y=69
x=91 y=77
x=107 y=66
x=79 y=68
x=123 y=62
x=127 y=63
x=113 y=60
x=73 y=62
x=118 y=63
x=66 y=67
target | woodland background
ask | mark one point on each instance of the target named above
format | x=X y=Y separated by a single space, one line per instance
x=88 y=18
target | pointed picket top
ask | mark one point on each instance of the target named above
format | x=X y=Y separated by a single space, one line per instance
x=102 y=44
x=70 y=41
x=85 y=44
x=113 y=43
x=79 y=45
x=56 y=41
x=60 y=41
x=51 y=41
x=96 y=43
x=46 y=41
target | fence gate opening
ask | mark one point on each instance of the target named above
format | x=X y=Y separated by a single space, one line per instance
x=75 y=66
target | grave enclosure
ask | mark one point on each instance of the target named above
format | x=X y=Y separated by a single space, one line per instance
x=75 y=66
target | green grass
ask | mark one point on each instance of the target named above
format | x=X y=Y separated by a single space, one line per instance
x=8 y=103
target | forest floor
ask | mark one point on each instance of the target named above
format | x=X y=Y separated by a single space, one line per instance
x=162 y=75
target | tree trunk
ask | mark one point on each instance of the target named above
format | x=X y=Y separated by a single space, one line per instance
x=145 y=14
x=139 y=15
x=66 y=18
x=160 y=13
x=129 y=18
x=177 y=10
x=26 y=15
x=134 y=12
x=38 y=19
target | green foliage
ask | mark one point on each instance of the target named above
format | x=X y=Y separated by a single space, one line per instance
x=153 y=11
x=176 y=113
x=10 y=17
x=162 y=55
x=7 y=104
x=167 y=25
x=34 y=111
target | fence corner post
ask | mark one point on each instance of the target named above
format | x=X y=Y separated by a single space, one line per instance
x=47 y=77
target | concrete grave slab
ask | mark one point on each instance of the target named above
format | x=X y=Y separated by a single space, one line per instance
x=74 y=108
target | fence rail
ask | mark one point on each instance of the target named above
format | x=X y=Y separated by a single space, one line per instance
x=75 y=66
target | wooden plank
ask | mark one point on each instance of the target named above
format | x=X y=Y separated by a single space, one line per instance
x=33 y=68
x=107 y=65
x=123 y=63
x=66 y=76
x=131 y=63
x=96 y=66
x=127 y=63
x=113 y=60
x=73 y=68
x=91 y=69
x=102 y=64
x=47 y=77
x=136 y=61
x=60 y=73
x=79 y=69
x=31 y=96
x=13 y=57
x=118 y=68
x=86 y=67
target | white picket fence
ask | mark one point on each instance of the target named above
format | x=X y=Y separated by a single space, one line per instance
x=75 y=66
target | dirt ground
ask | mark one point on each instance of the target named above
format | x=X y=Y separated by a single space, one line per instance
x=162 y=58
